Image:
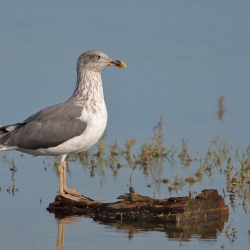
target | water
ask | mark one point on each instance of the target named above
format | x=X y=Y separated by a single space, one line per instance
x=181 y=57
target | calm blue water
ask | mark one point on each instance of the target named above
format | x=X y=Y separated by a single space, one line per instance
x=181 y=57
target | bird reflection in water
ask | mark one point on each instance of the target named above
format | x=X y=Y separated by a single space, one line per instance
x=62 y=222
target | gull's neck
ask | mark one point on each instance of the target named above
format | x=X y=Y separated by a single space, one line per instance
x=88 y=91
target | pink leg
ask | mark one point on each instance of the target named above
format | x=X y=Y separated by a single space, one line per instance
x=68 y=193
x=65 y=188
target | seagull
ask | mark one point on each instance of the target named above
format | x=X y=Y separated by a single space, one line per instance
x=69 y=127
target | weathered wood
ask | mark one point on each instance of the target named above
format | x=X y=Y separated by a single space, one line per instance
x=137 y=208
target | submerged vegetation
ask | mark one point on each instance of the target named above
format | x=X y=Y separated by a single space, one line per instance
x=153 y=156
x=167 y=167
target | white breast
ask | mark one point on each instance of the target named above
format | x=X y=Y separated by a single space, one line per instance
x=96 y=124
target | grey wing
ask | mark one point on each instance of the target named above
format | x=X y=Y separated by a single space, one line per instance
x=59 y=112
x=49 y=127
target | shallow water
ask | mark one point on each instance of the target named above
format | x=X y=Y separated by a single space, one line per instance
x=181 y=58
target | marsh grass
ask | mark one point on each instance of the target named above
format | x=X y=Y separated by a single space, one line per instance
x=164 y=166
x=154 y=159
x=184 y=155
x=153 y=156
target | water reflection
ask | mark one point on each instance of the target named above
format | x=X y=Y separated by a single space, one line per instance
x=206 y=229
x=63 y=221
x=182 y=231
x=221 y=108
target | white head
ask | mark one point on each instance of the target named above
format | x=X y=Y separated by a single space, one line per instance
x=95 y=60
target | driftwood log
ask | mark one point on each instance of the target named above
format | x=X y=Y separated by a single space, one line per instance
x=134 y=207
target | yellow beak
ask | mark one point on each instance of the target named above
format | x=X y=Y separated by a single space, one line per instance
x=118 y=63
x=122 y=65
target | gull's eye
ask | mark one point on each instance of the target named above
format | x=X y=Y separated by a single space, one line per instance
x=97 y=57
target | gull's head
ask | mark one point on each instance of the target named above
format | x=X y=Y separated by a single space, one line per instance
x=95 y=60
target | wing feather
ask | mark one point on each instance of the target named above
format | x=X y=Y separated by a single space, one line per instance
x=49 y=127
